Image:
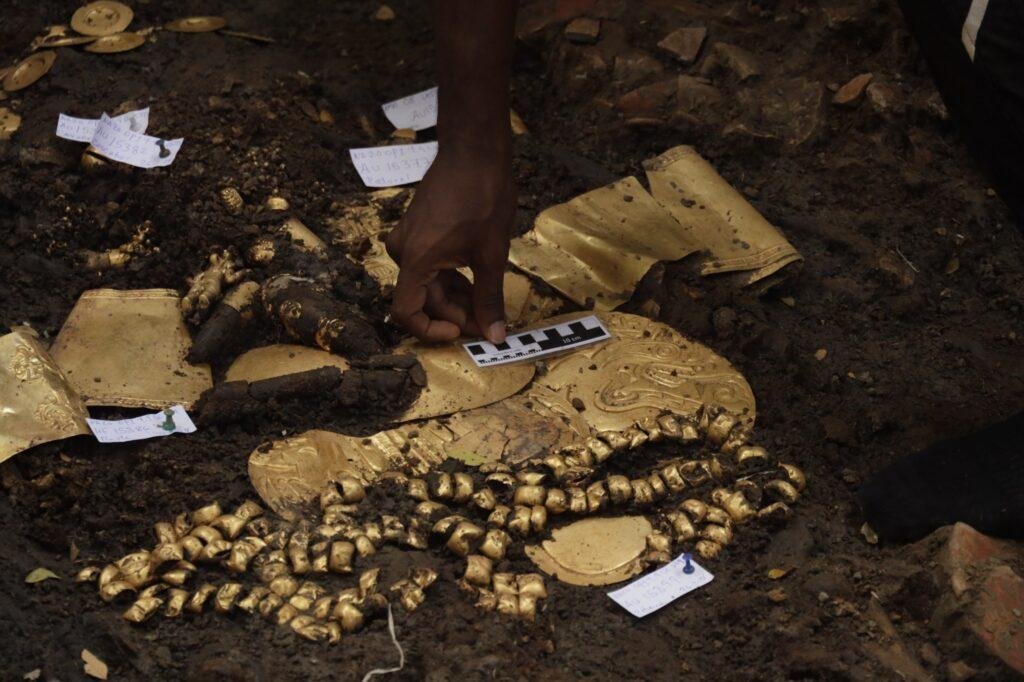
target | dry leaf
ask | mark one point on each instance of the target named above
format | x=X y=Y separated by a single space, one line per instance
x=38 y=575
x=94 y=667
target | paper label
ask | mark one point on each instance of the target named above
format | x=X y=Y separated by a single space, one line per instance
x=84 y=129
x=418 y=111
x=646 y=595
x=123 y=145
x=163 y=423
x=395 y=165
x=536 y=343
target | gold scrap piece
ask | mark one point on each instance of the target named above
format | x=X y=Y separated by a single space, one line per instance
x=717 y=217
x=304 y=237
x=119 y=42
x=102 y=18
x=255 y=37
x=29 y=70
x=516 y=123
x=598 y=551
x=276 y=203
x=281 y=359
x=196 y=24
x=128 y=348
x=37 y=403
x=66 y=41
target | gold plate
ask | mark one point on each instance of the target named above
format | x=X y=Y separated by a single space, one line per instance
x=37 y=405
x=717 y=217
x=281 y=359
x=68 y=41
x=9 y=123
x=29 y=70
x=598 y=551
x=128 y=348
x=197 y=24
x=119 y=42
x=597 y=246
x=102 y=18
x=646 y=368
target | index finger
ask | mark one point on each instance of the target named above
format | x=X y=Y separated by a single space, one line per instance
x=407 y=308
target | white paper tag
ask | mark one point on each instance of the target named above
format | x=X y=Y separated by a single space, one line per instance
x=536 y=343
x=398 y=164
x=418 y=111
x=646 y=595
x=163 y=423
x=123 y=145
x=84 y=129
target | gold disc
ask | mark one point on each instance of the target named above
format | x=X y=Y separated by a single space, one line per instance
x=120 y=42
x=68 y=41
x=197 y=24
x=599 y=551
x=9 y=123
x=29 y=71
x=102 y=18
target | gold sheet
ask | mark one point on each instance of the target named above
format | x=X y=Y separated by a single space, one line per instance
x=280 y=359
x=128 y=348
x=597 y=246
x=717 y=217
x=597 y=551
x=37 y=405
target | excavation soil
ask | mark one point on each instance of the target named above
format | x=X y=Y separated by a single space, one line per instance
x=903 y=327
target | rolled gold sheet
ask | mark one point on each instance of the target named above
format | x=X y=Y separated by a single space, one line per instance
x=647 y=367
x=281 y=359
x=598 y=551
x=37 y=405
x=128 y=348
x=717 y=217
x=597 y=246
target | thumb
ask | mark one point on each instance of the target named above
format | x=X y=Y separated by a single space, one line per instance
x=489 y=302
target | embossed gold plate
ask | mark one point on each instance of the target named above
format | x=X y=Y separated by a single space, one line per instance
x=9 y=123
x=197 y=24
x=128 y=348
x=102 y=18
x=119 y=42
x=29 y=70
x=717 y=217
x=37 y=405
x=599 y=551
x=280 y=359
x=68 y=41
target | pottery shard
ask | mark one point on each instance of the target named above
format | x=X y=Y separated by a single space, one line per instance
x=850 y=93
x=884 y=97
x=730 y=58
x=583 y=30
x=684 y=43
x=684 y=95
x=634 y=67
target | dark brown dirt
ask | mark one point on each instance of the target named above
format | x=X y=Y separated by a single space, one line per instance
x=912 y=283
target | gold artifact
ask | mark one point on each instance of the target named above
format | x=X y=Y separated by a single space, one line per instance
x=127 y=348
x=232 y=200
x=58 y=36
x=247 y=36
x=597 y=246
x=717 y=217
x=29 y=70
x=276 y=203
x=118 y=257
x=196 y=24
x=518 y=127
x=118 y=42
x=207 y=287
x=9 y=123
x=598 y=551
x=304 y=237
x=278 y=360
x=101 y=18
x=38 y=404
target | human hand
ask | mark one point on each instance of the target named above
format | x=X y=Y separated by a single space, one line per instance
x=461 y=216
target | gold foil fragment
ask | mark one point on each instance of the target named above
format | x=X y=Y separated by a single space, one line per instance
x=276 y=203
x=119 y=42
x=196 y=24
x=598 y=551
x=9 y=123
x=268 y=362
x=717 y=217
x=304 y=237
x=29 y=70
x=101 y=18
x=37 y=404
x=128 y=348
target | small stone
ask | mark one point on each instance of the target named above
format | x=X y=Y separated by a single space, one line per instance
x=823 y=597
x=384 y=13
x=777 y=595
x=884 y=98
x=820 y=354
x=684 y=43
x=850 y=477
x=929 y=654
x=726 y=57
x=583 y=30
x=991 y=193
x=958 y=671
x=789 y=301
x=869 y=534
x=724 y=321
x=850 y=93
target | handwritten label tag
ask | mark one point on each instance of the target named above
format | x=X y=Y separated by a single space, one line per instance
x=84 y=129
x=646 y=595
x=418 y=111
x=125 y=146
x=395 y=165
x=163 y=423
x=536 y=343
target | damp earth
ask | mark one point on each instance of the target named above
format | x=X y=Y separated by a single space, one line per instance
x=902 y=328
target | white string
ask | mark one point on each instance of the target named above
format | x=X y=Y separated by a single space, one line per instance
x=401 y=653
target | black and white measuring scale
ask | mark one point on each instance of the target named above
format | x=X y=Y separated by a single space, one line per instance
x=536 y=343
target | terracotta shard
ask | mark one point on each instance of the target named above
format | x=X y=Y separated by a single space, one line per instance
x=597 y=246
x=102 y=18
x=717 y=217
x=599 y=551
x=128 y=348
x=279 y=360
x=37 y=405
